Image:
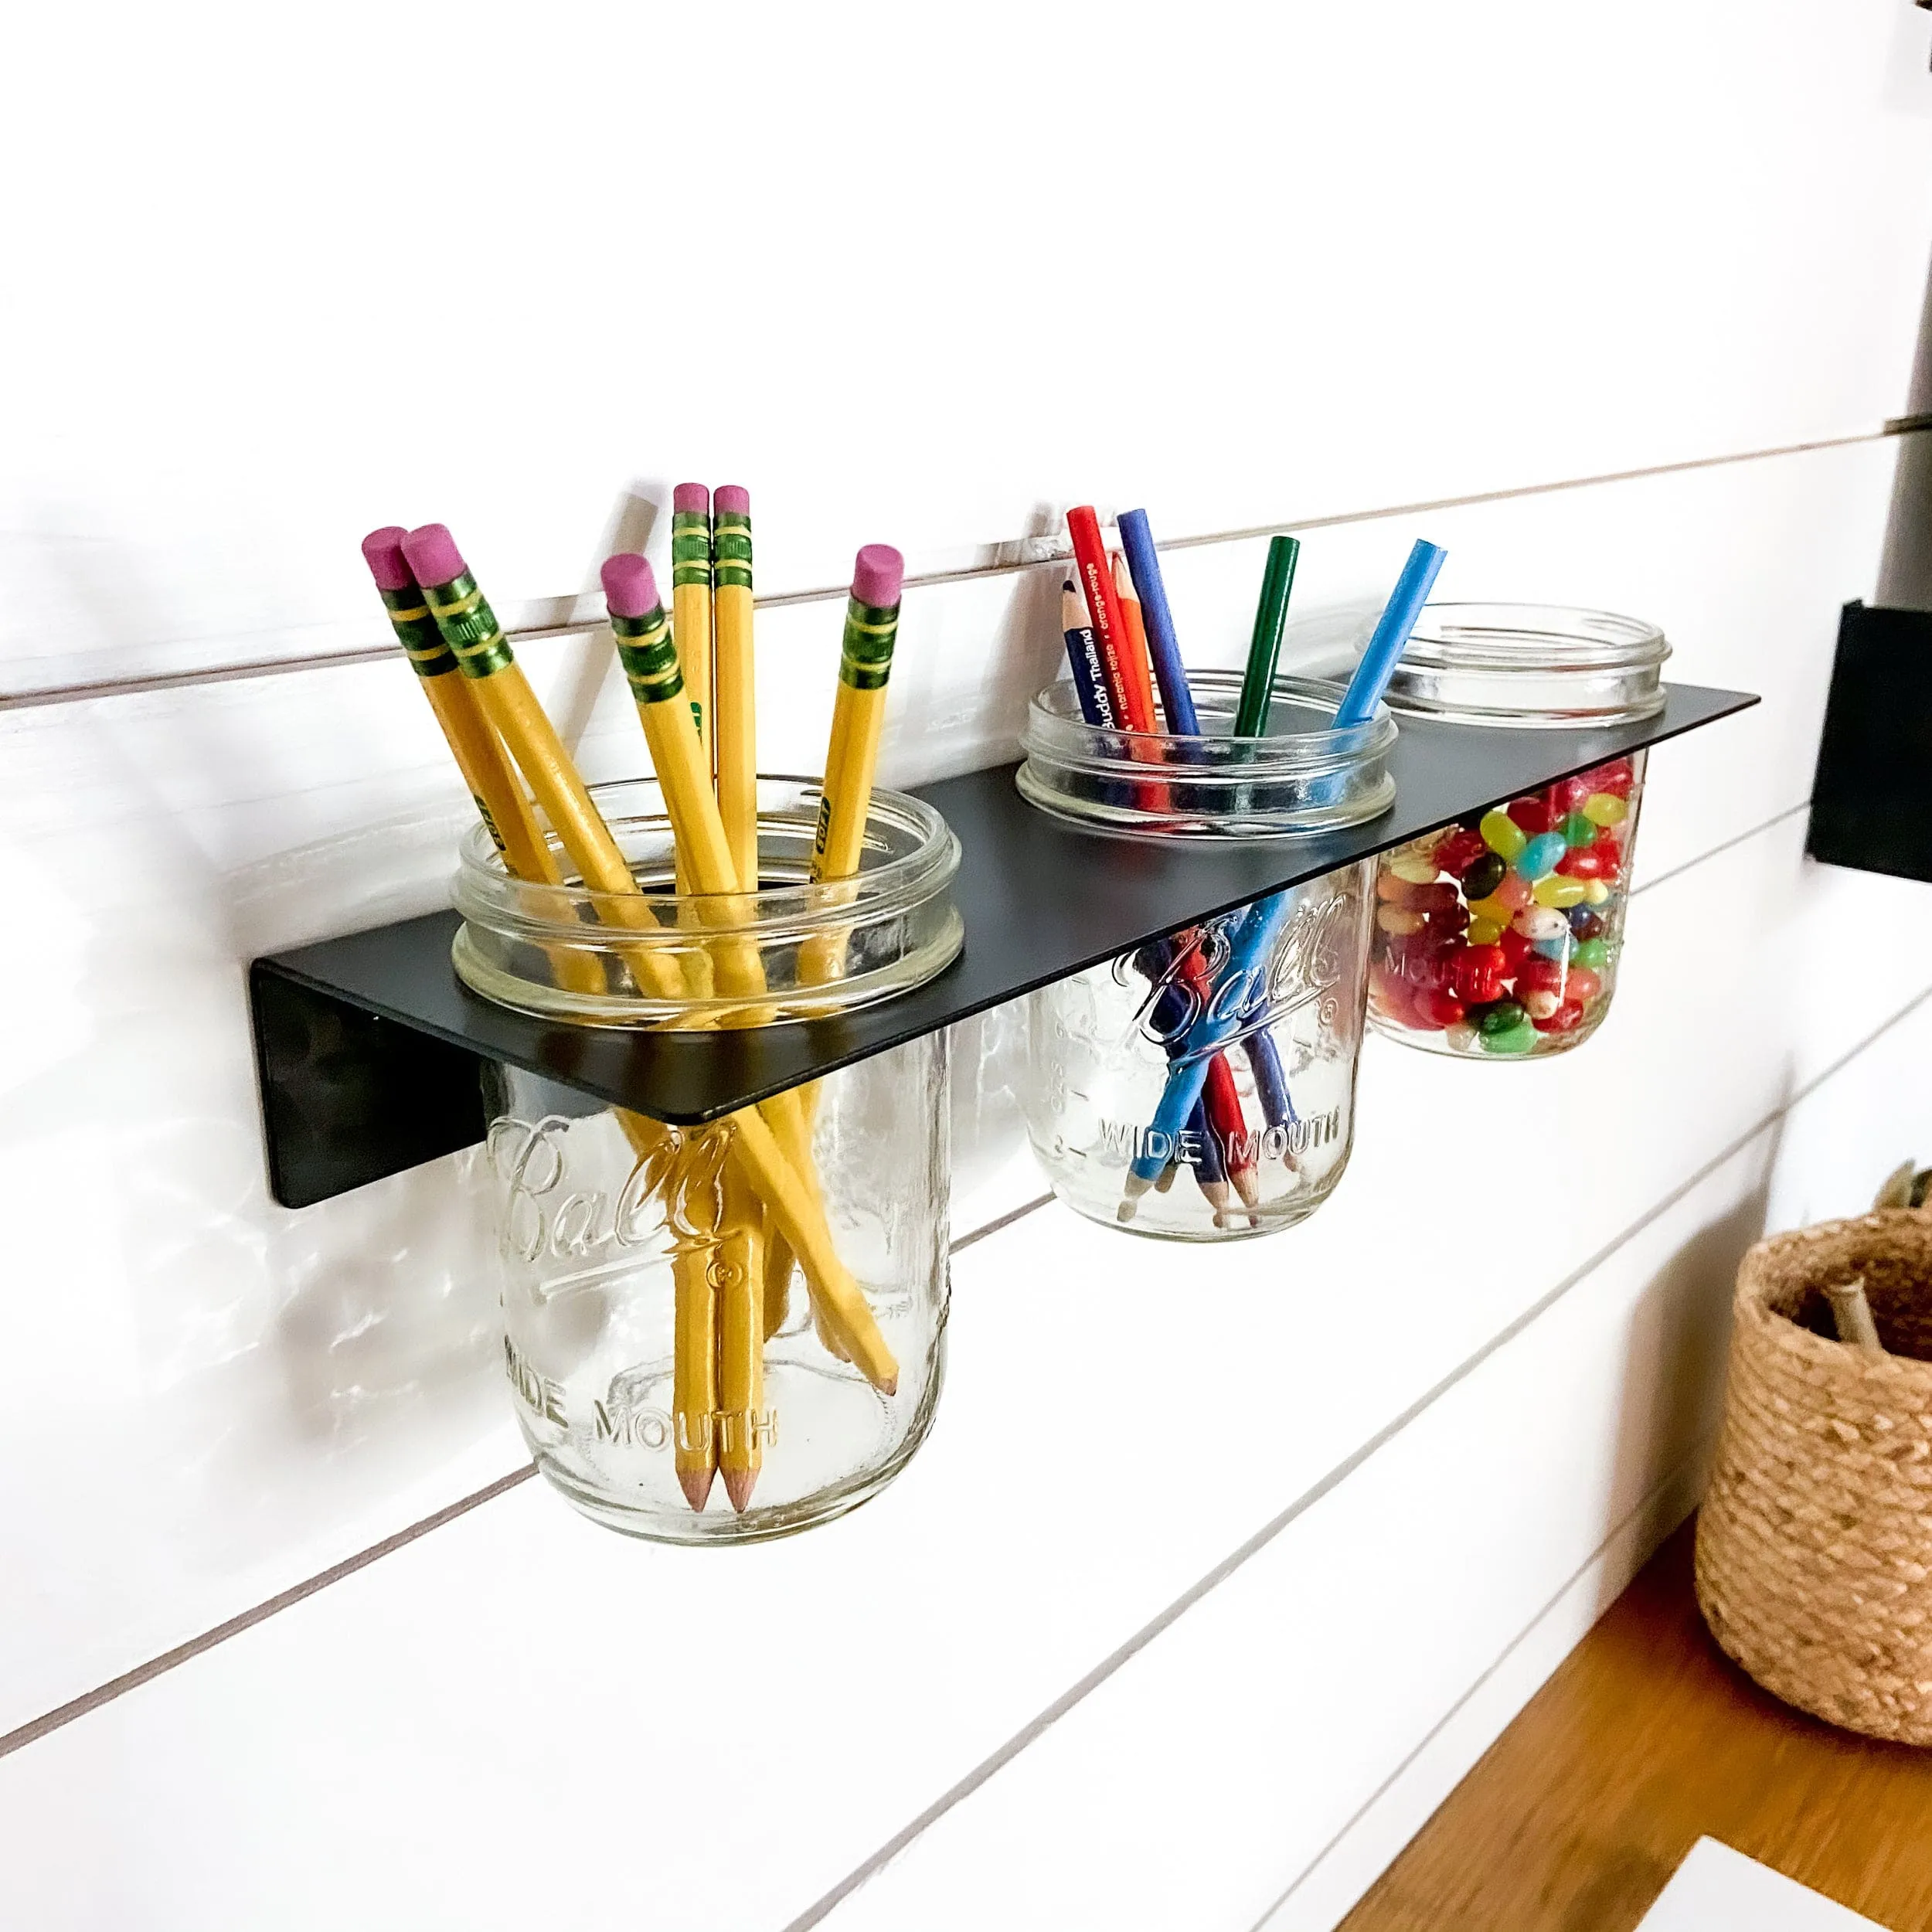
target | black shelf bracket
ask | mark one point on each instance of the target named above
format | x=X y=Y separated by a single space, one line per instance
x=369 y=1046
x=1871 y=797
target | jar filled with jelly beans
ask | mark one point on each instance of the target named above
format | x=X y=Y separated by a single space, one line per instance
x=1499 y=938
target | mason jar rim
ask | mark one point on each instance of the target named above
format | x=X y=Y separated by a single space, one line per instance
x=1530 y=663
x=534 y=910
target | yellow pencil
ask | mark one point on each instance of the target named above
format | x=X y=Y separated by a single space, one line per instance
x=691 y=603
x=859 y=712
x=735 y=705
x=495 y=787
x=743 y=1426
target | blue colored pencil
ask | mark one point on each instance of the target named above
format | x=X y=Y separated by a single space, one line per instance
x=1248 y=948
x=1144 y=562
x=1391 y=636
x=1090 y=679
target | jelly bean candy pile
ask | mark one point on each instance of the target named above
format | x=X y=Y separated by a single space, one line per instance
x=1501 y=933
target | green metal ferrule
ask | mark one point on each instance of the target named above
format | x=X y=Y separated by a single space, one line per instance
x=866 y=660
x=731 y=550
x=649 y=657
x=415 y=631
x=690 y=547
x=469 y=628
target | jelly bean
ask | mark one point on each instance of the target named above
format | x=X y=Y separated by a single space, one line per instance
x=1593 y=955
x=1567 y=1017
x=1519 y=1039
x=1558 y=948
x=1537 y=974
x=1502 y=835
x=1477 y=973
x=1539 y=856
x=1450 y=921
x=1584 y=984
x=1514 y=893
x=1417 y=868
x=1485 y=932
x=1567 y=794
x=1537 y=923
x=1504 y=1016
x=1577 y=830
x=1433 y=899
x=1596 y=892
x=1515 y=949
x=1460 y=849
x=1492 y=909
x=1462 y=1036
x=1590 y=861
x=1585 y=923
x=1540 y=1005
x=1618 y=778
x=1484 y=875
x=1605 y=808
x=1392 y=999
x=1437 y=1009
x=1399 y=919
x=1557 y=891
x=1392 y=889
x=1533 y=815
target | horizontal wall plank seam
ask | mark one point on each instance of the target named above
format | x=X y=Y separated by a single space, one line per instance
x=1677 y=1473
x=1038 y=558
x=1069 y=1699
x=38 y=1727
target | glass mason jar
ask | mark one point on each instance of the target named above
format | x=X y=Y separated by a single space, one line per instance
x=1203 y=1087
x=674 y=1373
x=1499 y=937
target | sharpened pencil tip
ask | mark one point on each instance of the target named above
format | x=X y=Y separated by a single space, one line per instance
x=739 y=1485
x=696 y=1486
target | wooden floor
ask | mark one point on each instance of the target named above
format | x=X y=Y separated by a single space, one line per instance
x=1645 y=1741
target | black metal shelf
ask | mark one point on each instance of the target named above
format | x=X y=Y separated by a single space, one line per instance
x=369 y=1046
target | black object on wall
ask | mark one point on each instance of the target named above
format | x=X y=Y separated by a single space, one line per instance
x=1872 y=796
x=369 y=1047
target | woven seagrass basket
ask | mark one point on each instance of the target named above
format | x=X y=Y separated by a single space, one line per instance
x=1814 y=1545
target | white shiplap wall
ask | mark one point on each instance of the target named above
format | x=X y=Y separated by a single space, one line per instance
x=1148 y=1693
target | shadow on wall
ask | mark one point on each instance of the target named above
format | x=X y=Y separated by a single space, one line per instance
x=1905 y=569
x=1673 y=1370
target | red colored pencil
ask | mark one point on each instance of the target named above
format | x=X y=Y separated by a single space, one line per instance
x=1110 y=626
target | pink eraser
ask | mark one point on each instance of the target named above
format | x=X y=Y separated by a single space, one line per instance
x=877 y=575
x=630 y=585
x=383 y=551
x=691 y=496
x=734 y=497
x=433 y=555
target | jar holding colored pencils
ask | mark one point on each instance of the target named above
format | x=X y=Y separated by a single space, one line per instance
x=1499 y=937
x=1203 y=1087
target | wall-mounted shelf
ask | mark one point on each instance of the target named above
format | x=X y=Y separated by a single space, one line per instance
x=369 y=1046
x=1871 y=808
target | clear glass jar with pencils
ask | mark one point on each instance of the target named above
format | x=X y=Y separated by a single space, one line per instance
x=730 y=1331
x=1499 y=937
x=1203 y=1088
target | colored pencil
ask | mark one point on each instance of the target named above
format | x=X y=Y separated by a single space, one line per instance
x=1391 y=635
x=1253 y=935
x=1164 y=648
x=1134 y=658
x=1264 y=646
x=1090 y=681
x=735 y=698
x=1104 y=609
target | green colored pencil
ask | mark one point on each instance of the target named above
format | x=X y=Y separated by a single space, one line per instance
x=1270 y=619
